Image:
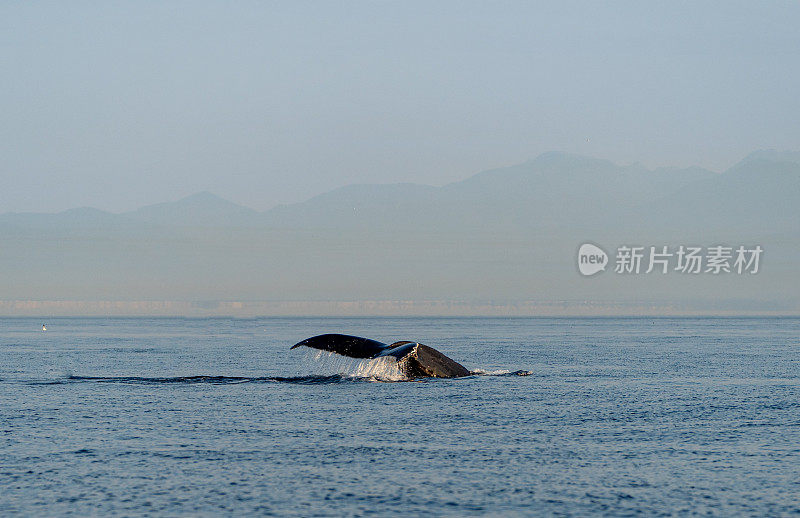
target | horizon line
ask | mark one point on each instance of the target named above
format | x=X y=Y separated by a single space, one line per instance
x=379 y=308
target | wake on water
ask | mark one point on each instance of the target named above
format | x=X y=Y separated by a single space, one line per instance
x=327 y=368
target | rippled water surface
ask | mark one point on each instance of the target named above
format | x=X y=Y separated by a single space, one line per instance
x=563 y=416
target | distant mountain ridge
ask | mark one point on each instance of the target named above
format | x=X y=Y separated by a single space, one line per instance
x=551 y=191
x=508 y=234
x=773 y=155
x=757 y=195
x=202 y=208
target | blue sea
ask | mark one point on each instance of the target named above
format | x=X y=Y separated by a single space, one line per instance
x=566 y=417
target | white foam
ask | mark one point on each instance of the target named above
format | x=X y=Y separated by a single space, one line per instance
x=383 y=369
x=379 y=369
x=499 y=372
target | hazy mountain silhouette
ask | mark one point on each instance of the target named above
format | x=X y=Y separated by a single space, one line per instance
x=200 y=209
x=72 y=218
x=506 y=234
x=773 y=155
x=554 y=190
x=355 y=205
x=756 y=196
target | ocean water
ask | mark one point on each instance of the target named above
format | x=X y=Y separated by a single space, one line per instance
x=563 y=417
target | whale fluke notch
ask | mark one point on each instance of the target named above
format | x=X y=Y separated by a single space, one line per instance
x=415 y=360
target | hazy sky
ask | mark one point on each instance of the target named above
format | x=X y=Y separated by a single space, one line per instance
x=119 y=104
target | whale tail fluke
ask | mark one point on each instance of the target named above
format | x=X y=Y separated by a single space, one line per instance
x=414 y=359
x=346 y=345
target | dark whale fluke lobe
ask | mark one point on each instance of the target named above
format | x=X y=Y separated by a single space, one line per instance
x=415 y=360
x=346 y=345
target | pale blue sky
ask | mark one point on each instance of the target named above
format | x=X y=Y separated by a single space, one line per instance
x=119 y=104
